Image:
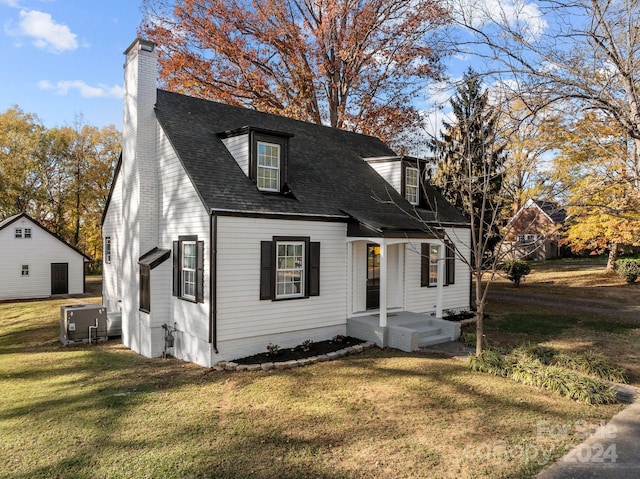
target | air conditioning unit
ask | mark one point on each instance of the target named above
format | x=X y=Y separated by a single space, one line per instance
x=83 y=323
x=114 y=323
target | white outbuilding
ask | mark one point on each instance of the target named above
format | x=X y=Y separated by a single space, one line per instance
x=37 y=263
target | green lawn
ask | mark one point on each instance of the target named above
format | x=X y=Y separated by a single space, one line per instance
x=105 y=412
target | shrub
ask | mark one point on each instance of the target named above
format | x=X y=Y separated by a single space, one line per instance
x=273 y=349
x=516 y=270
x=628 y=269
x=564 y=374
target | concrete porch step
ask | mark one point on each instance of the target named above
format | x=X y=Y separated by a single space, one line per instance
x=431 y=340
x=423 y=329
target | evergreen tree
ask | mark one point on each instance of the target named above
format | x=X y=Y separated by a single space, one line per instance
x=470 y=154
x=470 y=167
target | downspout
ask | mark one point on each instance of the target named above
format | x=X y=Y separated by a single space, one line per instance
x=213 y=281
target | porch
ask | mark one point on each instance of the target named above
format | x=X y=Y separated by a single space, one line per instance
x=404 y=330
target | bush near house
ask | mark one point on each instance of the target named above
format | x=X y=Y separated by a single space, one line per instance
x=628 y=269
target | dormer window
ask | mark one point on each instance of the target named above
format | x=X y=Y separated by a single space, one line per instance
x=268 y=166
x=262 y=154
x=412 y=185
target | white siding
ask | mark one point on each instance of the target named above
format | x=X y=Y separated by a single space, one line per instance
x=456 y=297
x=241 y=315
x=238 y=146
x=111 y=272
x=395 y=276
x=38 y=252
x=391 y=171
x=182 y=213
x=423 y=299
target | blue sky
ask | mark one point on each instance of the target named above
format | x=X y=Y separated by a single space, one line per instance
x=63 y=58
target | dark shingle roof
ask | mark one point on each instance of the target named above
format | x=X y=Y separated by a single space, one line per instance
x=326 y=174
x=553 y=210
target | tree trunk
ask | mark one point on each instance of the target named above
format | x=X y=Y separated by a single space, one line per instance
x=613 y=256
x=479 y=316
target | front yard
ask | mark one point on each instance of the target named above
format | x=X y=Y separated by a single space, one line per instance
x=105 y=412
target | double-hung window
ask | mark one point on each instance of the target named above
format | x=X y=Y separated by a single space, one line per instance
x=107 y=249
x=290 y=267
x=412 y=185
x=433 y=264
x=189 y=270
x=18 y=232
x=25 y=270
x=430 y=262
x=268 y=166
x=27 y=232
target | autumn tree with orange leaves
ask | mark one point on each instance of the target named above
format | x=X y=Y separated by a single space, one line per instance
x=355 y=65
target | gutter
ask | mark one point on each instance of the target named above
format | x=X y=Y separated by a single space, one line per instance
x=213 y=281
x=231 y=212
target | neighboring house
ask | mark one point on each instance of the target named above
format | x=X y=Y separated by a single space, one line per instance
x=535 y=231
x=36 y=263
x=234 y=229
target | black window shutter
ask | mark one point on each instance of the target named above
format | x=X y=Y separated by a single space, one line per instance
x=314 y=268
x=176 y=268
x=145 y=289
x=266 y=270
x=424 y=264
x=450 y=277
x=200 y=272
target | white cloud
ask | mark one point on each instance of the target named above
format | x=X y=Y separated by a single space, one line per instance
x=86 y=91
x=521 y=14
x=10 y=3
x=44 y=32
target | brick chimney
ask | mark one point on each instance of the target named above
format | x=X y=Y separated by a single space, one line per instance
x=139 y=177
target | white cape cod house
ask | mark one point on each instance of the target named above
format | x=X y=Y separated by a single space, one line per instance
x=235 y=229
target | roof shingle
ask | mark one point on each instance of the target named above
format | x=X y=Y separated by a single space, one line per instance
x=326 y=174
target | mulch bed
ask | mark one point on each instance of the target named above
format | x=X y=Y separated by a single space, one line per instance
x=301 y=352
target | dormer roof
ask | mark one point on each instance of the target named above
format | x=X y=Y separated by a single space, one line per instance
x=326 y=172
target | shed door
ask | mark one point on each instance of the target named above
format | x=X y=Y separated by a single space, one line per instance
x=59 y=278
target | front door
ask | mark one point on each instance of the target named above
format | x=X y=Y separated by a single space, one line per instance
x=59 y=278
x=373 y=276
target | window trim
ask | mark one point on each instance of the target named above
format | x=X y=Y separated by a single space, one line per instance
x=278 y=147
x=177 y=269
x=107 y=249
x=301 y=270
x=270 y=138
x=184 y=269
x=268 y=270
x=433 y=260
x=415 y=186
x=25 y=268
x=18 y=233
x=26 y=233
x=145 y=289
x=449 y=264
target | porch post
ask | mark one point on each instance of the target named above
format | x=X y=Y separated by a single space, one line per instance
x=383 y=283
x=442 y=262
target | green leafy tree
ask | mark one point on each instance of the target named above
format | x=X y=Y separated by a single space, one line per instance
x=21 y=137
x=593 y=171
x=60 y=176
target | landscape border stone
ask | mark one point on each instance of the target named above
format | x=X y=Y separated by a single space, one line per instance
x=294 y=363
